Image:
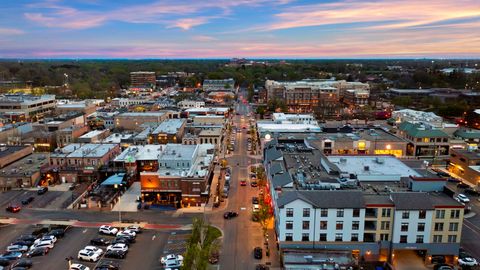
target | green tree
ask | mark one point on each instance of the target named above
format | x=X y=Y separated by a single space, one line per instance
x=402 y=101
x=202 y=242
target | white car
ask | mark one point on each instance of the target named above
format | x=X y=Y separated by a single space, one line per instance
x=171 y=258
x=118 y=246
x=77 y=266
x=227 y=177
x=106 y=229
x=173 y=264
x=126 y=232
x=462 y=198
x=134 y=228
x=18 y=248
x=43 y=244
x=95 y=249
x=46 y=238
x=467 y=261
x=89 y=256
x=255 y=208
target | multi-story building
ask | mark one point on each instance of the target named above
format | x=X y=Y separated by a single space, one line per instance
x=424 y=141
x=169 y=131
x=143 y=79
x=284 y=118
x=219 y=85
x=10 y=154
x=356 y=97
x=466 y=164
x=134 y=120
x=418 y=117
x=26 y=107
x=23 y=173
x=94 y=136
x=185 y=104
x=69 y=135
x=86 y=107
x=126 y=102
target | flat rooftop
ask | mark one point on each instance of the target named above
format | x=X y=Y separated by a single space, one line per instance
x=117 y=137
x=169 y=126
x=269 y=127
x=207 y=109
x=8 y=150
x=26 y=166
x=136 y=114
x=373 y=168
x=140 y=152
x=92 y=134
x=178 y=152
x=89 y=150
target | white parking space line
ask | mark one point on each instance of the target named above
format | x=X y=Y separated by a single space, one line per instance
x=153 y=237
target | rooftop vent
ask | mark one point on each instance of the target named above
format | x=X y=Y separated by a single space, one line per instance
x=366 y=168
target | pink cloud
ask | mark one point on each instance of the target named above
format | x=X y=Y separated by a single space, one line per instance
x=11 y=31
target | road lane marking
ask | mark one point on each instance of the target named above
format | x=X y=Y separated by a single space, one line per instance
x=153 y=237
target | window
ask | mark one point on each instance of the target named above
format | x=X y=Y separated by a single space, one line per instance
x=306 y=225
x=324 y=212
x=437 y=238
x=384 y=237
x=338 y=237
x=339 y=225
x=405 y=214
x=305 y=237
x=419 y=239
x=355 y=225
x=356 y=212
x=289 y=212
x=354 y=237
x=323 y=237
x=453 y=227
x=289 y=237
x=403 y=239
x=438 y=227
x=340 y=212
x=404 y=227
x=422 y=214
x=452 y=239
x=421 y=227
x=323 y=225
x=455 y=214
x=289 y=225
x=306 y=212
x=385 y=225
x=440 y=214
x=386 y=212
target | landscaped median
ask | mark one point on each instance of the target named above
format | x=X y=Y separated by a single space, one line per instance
x=202 y=246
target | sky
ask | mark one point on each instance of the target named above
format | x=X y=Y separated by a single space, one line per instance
x=136 y=29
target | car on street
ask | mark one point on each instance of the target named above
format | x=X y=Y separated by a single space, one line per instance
x=13 y=208
x=78 y=266
x=230 y=214
x=243 y=183
x=106 y=229
x=100 y=241
x=116 y=254
x=42 y=190
x=126 y=232
x=118 y=246
x=174 y=264
x=88 y=256
x=255 y=200
x=28 y=200
x=11 y=255
x=467 y=261
x=134 y=228
x=261 y=267
x=254 y=184
x=95 y=249
x=257 y=253
x=107 y=265
x=255 y=208
x=37 y=252
x=24 y=263
x=171 y=257
x=463 y=198
x=227 y=177
x=19 y=248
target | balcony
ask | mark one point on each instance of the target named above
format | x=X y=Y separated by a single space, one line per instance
x=368 y=237
x=370 y=213
x=370 y=226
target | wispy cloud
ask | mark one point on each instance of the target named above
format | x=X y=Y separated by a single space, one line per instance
x=384 y=14
x=11 y=31
x=203 y=38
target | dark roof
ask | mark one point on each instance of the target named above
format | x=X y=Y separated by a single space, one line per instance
x=442 y=200
x=324 y=198
x=416 y=131
x=8 y=150
x=272 y=154
x=281 y=180
x=276 y=168
x=375 y=199
x=467 y=134
x=412 y=201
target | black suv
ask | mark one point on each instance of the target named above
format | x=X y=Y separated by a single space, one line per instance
x=257 y=252
x=42 y=190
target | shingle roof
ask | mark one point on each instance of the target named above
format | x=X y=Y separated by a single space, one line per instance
x=276 y=168
x=416 y=131
x=281 y=180
x=412 y=201
x=324 y=198
x=272 y=154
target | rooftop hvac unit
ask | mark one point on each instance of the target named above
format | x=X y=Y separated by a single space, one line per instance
x=366 y=168
x=380 y=160
x=343 y=160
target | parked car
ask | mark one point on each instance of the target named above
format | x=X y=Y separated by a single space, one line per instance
x=97 y=250
x=261 y=267
x=463 y=198
x=89 y=256
x=27 y=237
x=171 y=257
x=467 y=261
x=443 y=266
x=100 y=241
x=134 y=228
x=78 y=266
x=46 y=238
x=471 y=191
x=230 y=214
x=24 y=263
x=13 y=208
x=128 y=238
x=22 y=243
x=45 y=244
x=20 y=248
x=255 y=200
x=11 y=255
x=42 y=190
x=37 y=252
x=462 y=185
x=255 y=208
x=107 y=265
x=126 y=232
x=116 y=254
x=28 y=200
x=118 y=246
x=4 y=263
x=438 y=259
x=254 y=184
x=243 y=183
x=106 y=229
x=257 y=253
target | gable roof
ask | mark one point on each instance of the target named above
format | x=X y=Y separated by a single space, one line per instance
x=276 y=168
x=417 y=131
x=272 y=154
x=281 y=180
x=467 y=134
x=324 y=198
x=412 y=201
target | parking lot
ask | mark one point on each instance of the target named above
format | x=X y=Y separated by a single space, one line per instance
x=16 y=197
x=145 y=253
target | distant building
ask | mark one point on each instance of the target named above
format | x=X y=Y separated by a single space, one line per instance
x=219 y=85
x=424 y=141
x=134 y=120
x=70 y=134
x=466 y=164
x=185 y=104
x=66 y=106
x=126 y=102
x=169 y=131
x=94 y=136
x=284 y=118
x=22 y=107
x=23 y=173
x=143 y=79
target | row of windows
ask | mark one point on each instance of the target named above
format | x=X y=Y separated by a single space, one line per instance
x=452 y=227
x=323 y=225
x=440 y=214
x=323 y=212
x=450 y=239
x=422 y=214
x=323 y=237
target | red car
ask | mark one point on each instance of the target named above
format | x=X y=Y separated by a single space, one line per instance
x=13 y=208
x=243 y=183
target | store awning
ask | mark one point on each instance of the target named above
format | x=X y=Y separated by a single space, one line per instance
x=116 y=179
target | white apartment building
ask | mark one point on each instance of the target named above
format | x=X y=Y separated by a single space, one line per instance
x=293 y=118
x=185 y=104
x=126 y=102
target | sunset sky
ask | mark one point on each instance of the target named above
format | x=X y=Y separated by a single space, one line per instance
x=239 y=28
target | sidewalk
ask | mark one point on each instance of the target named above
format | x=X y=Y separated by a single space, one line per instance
x=128 y=201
